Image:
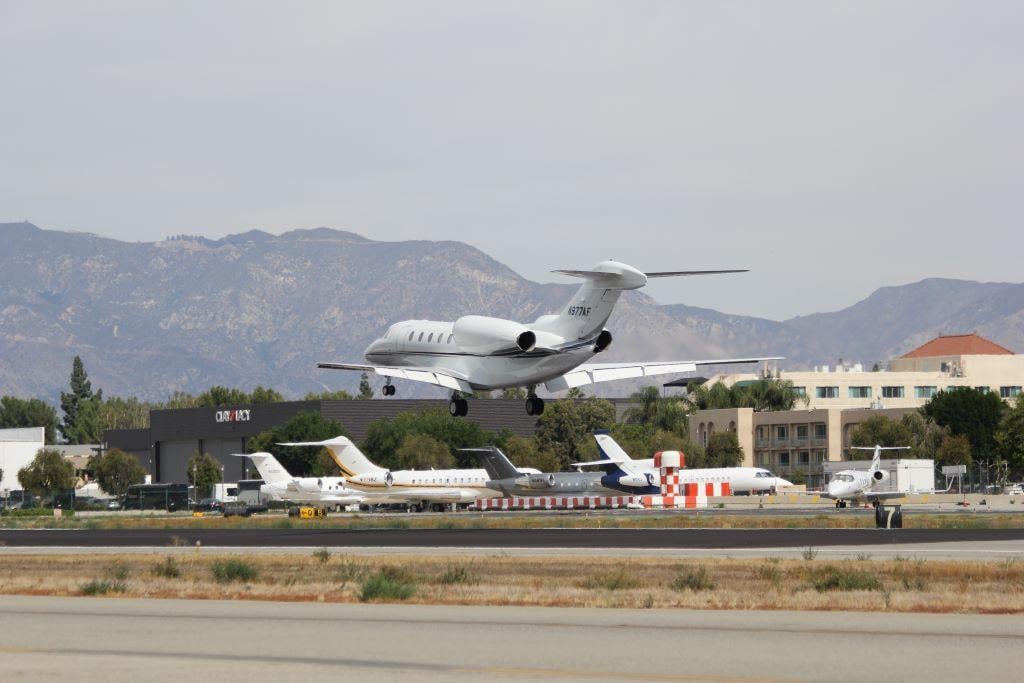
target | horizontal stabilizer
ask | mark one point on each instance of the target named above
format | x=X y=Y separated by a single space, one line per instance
x=682 y=273
x=880 y=448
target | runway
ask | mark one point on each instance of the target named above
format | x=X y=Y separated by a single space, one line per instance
x=130 y=640
x=566 y=539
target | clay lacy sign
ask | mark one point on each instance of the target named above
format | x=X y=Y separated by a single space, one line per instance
x=232 y=415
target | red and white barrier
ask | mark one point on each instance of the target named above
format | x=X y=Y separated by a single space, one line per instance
x=554 y=502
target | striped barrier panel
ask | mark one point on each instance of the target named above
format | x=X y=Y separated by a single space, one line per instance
x=555 y=502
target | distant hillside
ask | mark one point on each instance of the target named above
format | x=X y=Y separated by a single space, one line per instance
x=254 y=308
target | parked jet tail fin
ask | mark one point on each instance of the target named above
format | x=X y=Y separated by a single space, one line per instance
x=345 y=454
x=271 y=471
x=877 y=459
x=496 y=463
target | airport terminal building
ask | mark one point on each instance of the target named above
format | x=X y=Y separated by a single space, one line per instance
x=175 y=435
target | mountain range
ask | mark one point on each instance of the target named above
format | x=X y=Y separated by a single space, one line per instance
x=150 y=318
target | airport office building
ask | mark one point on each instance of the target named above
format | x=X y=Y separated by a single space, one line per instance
x=175 y=435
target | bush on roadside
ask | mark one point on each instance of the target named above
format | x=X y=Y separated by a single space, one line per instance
x=833 y=578
x=226 y=571
x=168 y=569
x=388 y=583
x=612 y=581
x=694 y=579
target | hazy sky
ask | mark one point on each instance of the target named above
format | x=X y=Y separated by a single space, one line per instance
x=832 y=147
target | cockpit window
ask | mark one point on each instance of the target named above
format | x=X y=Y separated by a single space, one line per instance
x=843 y=477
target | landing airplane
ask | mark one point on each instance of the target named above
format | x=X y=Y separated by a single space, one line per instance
x=483 y=353
x=857 y=485
x=328 y=491
x=640 y=476
x=423 y=489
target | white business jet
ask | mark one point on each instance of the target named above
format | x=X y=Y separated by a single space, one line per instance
x=421 y=489
x=482 y=353
x=280 y=485
x=857 y=485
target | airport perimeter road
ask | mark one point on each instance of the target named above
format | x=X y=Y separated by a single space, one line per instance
x=498 y=538
x=132 y=640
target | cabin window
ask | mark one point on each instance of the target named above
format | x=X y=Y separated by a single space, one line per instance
x=421 y=337
x=430 y=338
x=450 y=338
x=411 y=334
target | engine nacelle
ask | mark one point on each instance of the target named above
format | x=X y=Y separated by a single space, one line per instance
x=880 y=476
x=309 y=485
x=603 y=341
x=636 y=480
x=536 y=481
x=480 y=334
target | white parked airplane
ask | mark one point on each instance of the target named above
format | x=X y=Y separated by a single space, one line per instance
x=482 y=353
x=626 y=474
x=857 y=485
x=422 y=489
x=279 y=484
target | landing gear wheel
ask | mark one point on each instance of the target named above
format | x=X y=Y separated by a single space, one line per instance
x=534 y=405
x=458 y=407
x=388 y=390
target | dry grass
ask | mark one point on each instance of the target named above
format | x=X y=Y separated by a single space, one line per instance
x=896 y=585
x=580 y=519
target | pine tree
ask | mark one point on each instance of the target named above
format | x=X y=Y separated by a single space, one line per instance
x=72 y=403
x=365 y=392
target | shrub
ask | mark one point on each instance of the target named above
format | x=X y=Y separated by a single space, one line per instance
x=809 y=553
x=692 y=579
x=388 y=583
x=225 y=571
x=613 y=581
x=349 y=570
x=769 y=572
x=832 y=578
x=118 y=571
x=168 y=569
x=103 y=586
x=458 y=575
x=322 y=554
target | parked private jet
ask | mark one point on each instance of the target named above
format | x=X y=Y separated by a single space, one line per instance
x=857 y=485
x=280 y=485
x=505 y=478
x=640 y=476
x=422 y=489
x=483 y=353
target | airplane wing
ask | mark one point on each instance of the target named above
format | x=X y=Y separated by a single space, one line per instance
x=440 y=378
x=589 y=373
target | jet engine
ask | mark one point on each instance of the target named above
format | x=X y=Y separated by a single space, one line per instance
x=636 y=480
x=603 y=341
x=480 y=334
x=536 y=481
x=880 y=476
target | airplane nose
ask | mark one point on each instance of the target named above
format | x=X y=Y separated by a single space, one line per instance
x=782 y=483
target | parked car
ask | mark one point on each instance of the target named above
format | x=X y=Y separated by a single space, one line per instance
x=1015 y=489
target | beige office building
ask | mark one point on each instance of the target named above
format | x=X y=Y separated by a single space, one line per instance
x=802 y=440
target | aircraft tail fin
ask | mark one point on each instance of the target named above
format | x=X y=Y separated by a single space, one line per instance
x=345 y=454
x=496 y=463
x=271 y=471
x=876 y=459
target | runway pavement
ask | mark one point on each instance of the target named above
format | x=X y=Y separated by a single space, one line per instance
x=131 y=640
x=664 y=539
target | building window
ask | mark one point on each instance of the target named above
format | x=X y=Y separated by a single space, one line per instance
x=826 y=392
x=982 y=390
x=760 y=433
x=925 y=392
x=800 y=391
x=859 y=392
x=892 y=392
x=781 y=432
x=804 y=458
x=765 y=460
x=820 y=431
x=801 y=432
x=1009 y=392
x=819 y=456
x=784 y=459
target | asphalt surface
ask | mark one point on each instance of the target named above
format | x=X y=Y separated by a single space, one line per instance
x=48 y=638
x=499 y=538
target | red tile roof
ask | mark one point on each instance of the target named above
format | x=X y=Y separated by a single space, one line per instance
x=958 y=345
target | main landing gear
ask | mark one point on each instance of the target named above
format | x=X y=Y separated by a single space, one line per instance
x=840 y=504
x=388 y=390
x=458 y=406
x=534 y=404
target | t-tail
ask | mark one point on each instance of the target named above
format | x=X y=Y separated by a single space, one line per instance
x=587 y=312
x=496 y=463
x=271 y=471
x=614 y=460
x=876 y=459
x=349 y=459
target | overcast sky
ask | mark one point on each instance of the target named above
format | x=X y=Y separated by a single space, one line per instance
x=832 y=147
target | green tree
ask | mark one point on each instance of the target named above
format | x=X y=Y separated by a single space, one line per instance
x=88 y=424
x=32 y=412
x=925 y=435
x=339 y=395
x=665 y=413
x=423 y=452
x=116 y=470
x=764 y=394
x=971 y=413
x=203 y=472
x=1010 y=437
x=385 y=436
x=955 y=449
x=724 y=450
x=878 y=430
x=47 y=474
x=566 y=425
x=72 y=402
x=124 y=413
x=514 y=393
x=301 y=461
x=523 y=452
x=365 y=391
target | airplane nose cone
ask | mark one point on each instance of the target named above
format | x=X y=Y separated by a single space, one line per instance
x=782 y=483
